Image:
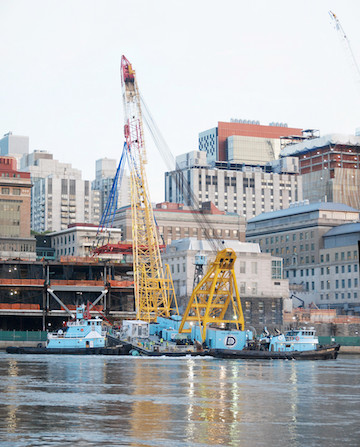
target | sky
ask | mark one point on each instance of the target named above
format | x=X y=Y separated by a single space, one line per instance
x=197 y=62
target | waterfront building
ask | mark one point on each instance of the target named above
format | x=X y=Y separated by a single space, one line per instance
x=59 y=196
x=34 y=293
x=242 y=141
x=15 y=193
x=14 y=145
x=80 y=239
x=177 y=221
x=235 y=188
x=329 y=166
x=302 y=236
x=259 y=277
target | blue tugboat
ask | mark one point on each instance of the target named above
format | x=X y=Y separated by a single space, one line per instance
x=296 y=344
x=83 y=335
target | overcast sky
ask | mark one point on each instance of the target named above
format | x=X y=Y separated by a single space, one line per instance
x=197 y=62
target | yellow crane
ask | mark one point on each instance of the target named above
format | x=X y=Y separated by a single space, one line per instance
x=154 y=289
x=215 y=300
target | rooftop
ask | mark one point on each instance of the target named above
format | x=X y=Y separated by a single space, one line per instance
x=344 y=229
x=315 y=143
x=300 y=209
x=203 y=245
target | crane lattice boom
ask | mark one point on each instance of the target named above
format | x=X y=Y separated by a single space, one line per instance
x=346 y=42
x=154 y=291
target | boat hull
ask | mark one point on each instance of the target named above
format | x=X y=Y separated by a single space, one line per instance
x=323 y=353
x=115 y=350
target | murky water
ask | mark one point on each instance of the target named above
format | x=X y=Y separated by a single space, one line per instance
x=127 y=401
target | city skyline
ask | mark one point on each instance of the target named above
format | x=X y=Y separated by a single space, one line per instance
x=196 y=64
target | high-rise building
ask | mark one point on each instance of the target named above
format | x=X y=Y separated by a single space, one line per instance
x=59 y=196
x=15 y=187
x=234 y=188
x=330 y=168
x=14 y=145
x=104 y=178
x=242 y=141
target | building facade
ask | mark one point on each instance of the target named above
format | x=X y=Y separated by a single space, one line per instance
x=329 y=167
x=244 y=141
x=244 y=190
x=104 y=178
x=303 y=236
x=14 y=145
x=59 y=196
x=176 y=221
x=259 y=277
x=80 y=239
x=15 y=201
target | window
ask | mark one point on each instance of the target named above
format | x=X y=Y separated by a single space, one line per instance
x=242 y=288
x=343 y=283
x=242 y=267
x=349 y=268
x=276 y=269
x=336 y=283
x=355 y=268
x=336 y=256
x=337 y=269
x=16 y=191
x=349 y=283
x=254 y=268
x=343 y=269
x=5 y=190
x=254 y=288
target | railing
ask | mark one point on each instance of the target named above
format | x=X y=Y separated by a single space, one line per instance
x=23 y=335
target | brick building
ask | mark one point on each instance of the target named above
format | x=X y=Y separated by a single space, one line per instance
x=15 y=206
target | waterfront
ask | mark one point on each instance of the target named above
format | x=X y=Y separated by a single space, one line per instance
x=126 y=401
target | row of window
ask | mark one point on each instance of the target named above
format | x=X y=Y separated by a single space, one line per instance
x=14 y=191
x=343 y=295
x=339 y=283
x=328 y=270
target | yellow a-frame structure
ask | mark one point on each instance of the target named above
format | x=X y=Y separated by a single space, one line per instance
x=213 y=295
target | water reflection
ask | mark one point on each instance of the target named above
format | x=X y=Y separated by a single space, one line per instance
x=93 y=400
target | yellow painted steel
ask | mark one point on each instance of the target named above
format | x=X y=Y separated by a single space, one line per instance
x=154 y=290
x=211 y=299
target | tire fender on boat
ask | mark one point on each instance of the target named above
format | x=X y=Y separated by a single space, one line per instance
x=297 y=338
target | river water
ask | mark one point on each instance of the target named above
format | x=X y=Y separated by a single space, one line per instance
x=132 y=401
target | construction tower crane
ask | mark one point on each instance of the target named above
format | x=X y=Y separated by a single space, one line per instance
x=345 y=41
x=154 y=289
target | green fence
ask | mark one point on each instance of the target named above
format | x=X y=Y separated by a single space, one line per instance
x=23 y=335
x=343 y=341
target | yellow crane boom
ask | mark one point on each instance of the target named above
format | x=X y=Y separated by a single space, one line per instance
x=154 y=290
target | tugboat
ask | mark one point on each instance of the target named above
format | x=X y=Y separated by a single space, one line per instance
x=83 y=335
x=295 y=344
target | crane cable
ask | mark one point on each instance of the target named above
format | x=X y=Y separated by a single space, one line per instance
x=180 y=180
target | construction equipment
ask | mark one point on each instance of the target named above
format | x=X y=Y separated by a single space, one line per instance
x=211 y=298
x=346 y=42
x=217 y=289
x=154 y=289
